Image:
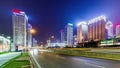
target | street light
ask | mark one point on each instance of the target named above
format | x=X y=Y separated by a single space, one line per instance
x=51 y=38
x=32 y=31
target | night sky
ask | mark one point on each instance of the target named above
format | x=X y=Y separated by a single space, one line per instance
x=48 y=17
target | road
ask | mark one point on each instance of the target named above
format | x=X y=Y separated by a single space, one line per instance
x=47 y=60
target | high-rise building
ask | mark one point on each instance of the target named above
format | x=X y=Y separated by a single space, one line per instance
x=29 y=34
x=75 y=40
x=35 y=43
x=69 y=34
x=118 y=31
x=62 y=36
x=20 y=21
x=96 y=28
x=82 y=32
x=109 y=27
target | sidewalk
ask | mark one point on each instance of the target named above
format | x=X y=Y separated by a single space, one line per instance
x=6 y=57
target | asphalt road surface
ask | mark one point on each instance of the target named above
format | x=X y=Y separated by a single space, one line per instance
x=47 y=60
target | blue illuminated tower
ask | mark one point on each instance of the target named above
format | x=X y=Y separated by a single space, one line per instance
x=69 y=34
x=20 y=21
x=62 y=36
x=29 y=35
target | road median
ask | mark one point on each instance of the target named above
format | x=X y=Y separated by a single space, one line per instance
x=18 y=62
x=88 y=54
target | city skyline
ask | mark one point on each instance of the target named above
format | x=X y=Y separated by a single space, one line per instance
x=56 y=14
x=60 y=34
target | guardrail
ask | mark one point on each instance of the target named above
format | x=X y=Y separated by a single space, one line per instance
x=33 y=62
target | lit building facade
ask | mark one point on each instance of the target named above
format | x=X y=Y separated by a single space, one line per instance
x=109 y=27
x=69 y=33
x=20 y=21
x=118 y=31
x=96 y=28
x=4 y=44
x=29 y=34
x=75 y=40
x=35 y=43
x=62 y=32
x=82 y=32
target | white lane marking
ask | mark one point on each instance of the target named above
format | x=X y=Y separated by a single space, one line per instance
x=88 y=63
x=95 y=65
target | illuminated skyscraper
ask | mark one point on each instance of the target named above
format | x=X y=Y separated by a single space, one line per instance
x=96 y=28
x=69 y=33
x=62 y=36
x=29 y=34
x=118 y=31
x=20 y=21
x=109 y=27
x=82 y=32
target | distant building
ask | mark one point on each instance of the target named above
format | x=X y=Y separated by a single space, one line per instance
x=109 y=27
x=62 y=32
x=56 y=45
x=20 y=21
x=82 y=32
x=29 y=36
x=69 y=34
x=75 y=40
x=118 y=31
x=48 y=43
x=35 y=43
x=96 y=28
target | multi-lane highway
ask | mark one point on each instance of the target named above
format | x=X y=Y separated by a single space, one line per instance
x=47 y=60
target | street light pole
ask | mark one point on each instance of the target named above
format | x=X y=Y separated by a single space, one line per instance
x=32 y=31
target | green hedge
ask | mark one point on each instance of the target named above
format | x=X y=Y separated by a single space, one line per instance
x=88 y=54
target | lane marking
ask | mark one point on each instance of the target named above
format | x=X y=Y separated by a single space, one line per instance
x=88 y=63
x=95 y=65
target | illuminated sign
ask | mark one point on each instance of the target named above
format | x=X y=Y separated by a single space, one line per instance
x=107 y=42
x=16 y=10
x=70 y=24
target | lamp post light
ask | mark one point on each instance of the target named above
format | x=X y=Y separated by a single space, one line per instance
x=51 y=38
x=32 y=32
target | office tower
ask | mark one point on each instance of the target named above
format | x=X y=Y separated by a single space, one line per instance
x=118 y=31
x=35 y=43
x=75 y=40
x=109 y=27
x=69 y=34
x=96 y=28
x=82 y=32
x=62 y=32
x=19 y=20
x=29 y=34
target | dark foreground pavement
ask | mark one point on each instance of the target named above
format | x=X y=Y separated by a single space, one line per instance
x=47 y=60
